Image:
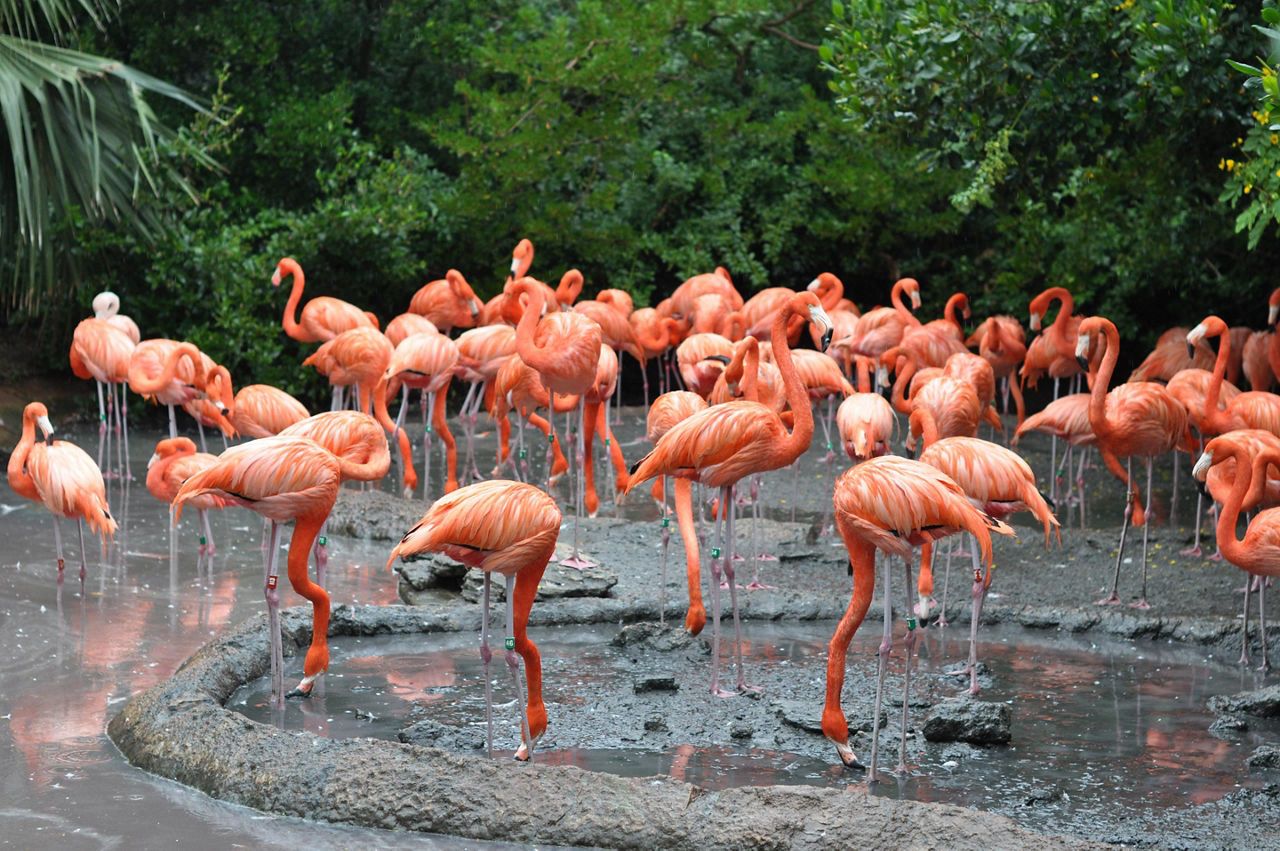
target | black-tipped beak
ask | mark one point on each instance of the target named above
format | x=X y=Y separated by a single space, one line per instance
x=826 y=338
x=1191 y=349
x=1203 y=488
x=1083 y=361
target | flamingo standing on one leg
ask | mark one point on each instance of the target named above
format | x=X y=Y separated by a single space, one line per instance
x=724 y=443
x=101 y=351
x=282 y=478
x=501 y=527
x=64 y=478
x=892 y=504
x=1136 y=419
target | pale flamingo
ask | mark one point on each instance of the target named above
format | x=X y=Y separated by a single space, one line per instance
x=403 y=325
x=1003 y=343
x=501 y=527
x=694 y=359
x=1189 y=387
x=719 y=281
x=426 y=362
x=1254 y=360
x=1135 y=419
x=174 y=461
x=724 y=443
x=565 y=349
x=1258 y=552
x=865 y=420
x=62 y=477
x=282 y=478
x=106 y=305
x=892 y=504
x=1052 y=353
x=667 y=410
x=999 y=483
x=448 y=302
x=481 y=353
x=322 y=317
x=100 y=350
x=596 y=421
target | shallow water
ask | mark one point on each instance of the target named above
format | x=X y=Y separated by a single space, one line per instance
x=1098 y=725
x=73 y=659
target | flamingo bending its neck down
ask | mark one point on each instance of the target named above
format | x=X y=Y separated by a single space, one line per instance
x=322 y=317
x=892 y=504
x=503 y=527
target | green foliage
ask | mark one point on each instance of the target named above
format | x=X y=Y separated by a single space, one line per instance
x=1253 y=172
x=1087 y=133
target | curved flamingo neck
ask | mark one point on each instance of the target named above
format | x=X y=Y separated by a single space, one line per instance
x=19 y=478
x=1233 y=548
x=906 y=367
x=923 y=426
x=169 y=370
x=863 y=365
x=1067 y=305
x=526 y=328
x=1215 y=419
x=288 y=266
x=570 y=288
x=1102 y=380
x=797 y=396
x=895 y=298
x=958 y=301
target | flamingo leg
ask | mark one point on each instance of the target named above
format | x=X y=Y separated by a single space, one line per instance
x=717 y=568
x=513 y=665
x=882 y=668
x=485 y=656
x=733 y=594
x=1244 y=626
x=909 y=643
x=1262 y=625
x=1141 y=602
x=1113 y=598
x=428 y=403
x=102 y=425
x=276 y=647
x=980 y=585
x=666 y=542
x=576 y=560
x=83 y=566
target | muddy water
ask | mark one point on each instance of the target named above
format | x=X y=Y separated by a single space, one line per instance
x=73 y=658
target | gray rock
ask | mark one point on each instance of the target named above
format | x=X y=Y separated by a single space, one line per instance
x=655 y=683
x=1228 y=724
x=557 y=583
x=1264 y=702
x=664 y=638
x=1265 y=757
x=741 y=730
x=963 y=719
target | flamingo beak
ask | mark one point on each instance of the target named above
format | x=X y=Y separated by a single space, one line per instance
x=1273 y=312
x=819 y=316
x=1082 y=351
x=45 y=425
x=1035 y=321
x=1201 y=470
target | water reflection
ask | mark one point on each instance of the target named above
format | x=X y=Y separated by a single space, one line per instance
x=1096 y=727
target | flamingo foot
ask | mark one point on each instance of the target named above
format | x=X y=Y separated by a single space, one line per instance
x=577 y=562
x=724 y=585
x=1113 y=600
x=1217 y=556
x=1140 y=604
x=303 y=688
x=1195 y=551
x=757 y=585
x=766 y=557
x=721 y=692
x=1244 y=657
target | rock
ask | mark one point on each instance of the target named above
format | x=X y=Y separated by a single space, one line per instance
x=557 y=582
x=433 y=570
x=803 y=714
x=1044 y=796
x=741 y=730
x=655 y=636
x=655 y=724
x=1264 y=702
x=1264 y=757
x=655 y=683
x=1227 y=724
x=963 y=719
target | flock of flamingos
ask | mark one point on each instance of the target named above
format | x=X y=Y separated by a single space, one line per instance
x=747 y=408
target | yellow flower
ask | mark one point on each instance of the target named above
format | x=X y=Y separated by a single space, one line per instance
x=1275 y=139
x=1231 y=164
x=1095 y=98
x=1247 y=187
x=1093 y=76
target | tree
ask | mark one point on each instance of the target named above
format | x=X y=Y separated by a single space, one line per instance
x=81 y=143
x=1089 y=133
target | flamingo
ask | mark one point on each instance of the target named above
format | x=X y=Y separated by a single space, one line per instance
x=596 y=421
x=719 y=281
x=282 y=478
x=892 y=504
x=724 y=443
x=356 y=439
x=1251 y=409
x=426 y=362
x=518 y=386
x=694 y=360
x=448 y=302
x=405 y=324
x=357 y=356
x=1189 y=387
x=1135 y=419
x=259 y=410
x=1003 y=343
x=667 y=410
x=102 y=351
x=106 y=306
x=996 y=480
x=64 y=478
x=565 y=350
x=1258 y=552
x=501 y=527
x=481 y=353
x=157 y=370
x=175 y=460
x=883 y=327
x=865 y=420
x=322 y=317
